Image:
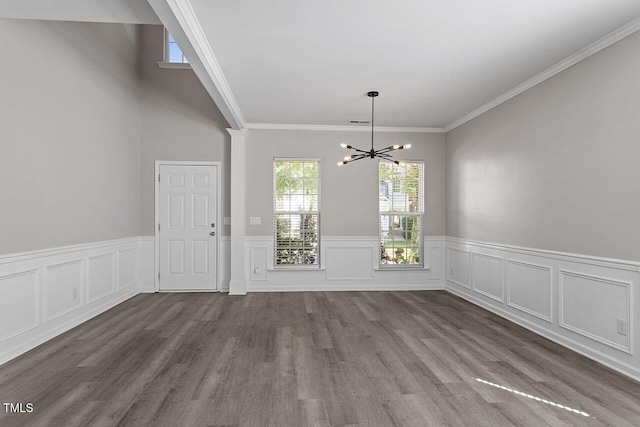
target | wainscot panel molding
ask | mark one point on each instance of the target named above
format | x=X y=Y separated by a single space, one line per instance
x=575 y=300
x=485 y=269
x=530 y=288
x=46 y=292
x=459 y=266
x=146 y=266
x=347 y=263
x=582 y=309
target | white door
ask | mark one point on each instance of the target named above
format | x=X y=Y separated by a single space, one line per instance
x=188 y=227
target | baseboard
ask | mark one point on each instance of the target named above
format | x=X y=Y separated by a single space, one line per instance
x=574 y=300
x=346 y=287
x=50 y=291
x=48 y=334
x=621 y=367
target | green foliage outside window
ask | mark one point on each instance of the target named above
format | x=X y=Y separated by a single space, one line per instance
x=296 y=212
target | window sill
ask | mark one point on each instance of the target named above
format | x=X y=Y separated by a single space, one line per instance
x=416 y=268
x=295 y=269
x=174 y=65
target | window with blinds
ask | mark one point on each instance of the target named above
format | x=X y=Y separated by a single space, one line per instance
x=296 y=212
x=401 y=206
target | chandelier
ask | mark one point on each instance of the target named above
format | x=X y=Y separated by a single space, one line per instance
x=382 y=153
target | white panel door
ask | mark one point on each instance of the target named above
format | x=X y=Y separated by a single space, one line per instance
x=188 y=227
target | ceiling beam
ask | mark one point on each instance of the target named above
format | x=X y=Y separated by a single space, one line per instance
x=180 y=20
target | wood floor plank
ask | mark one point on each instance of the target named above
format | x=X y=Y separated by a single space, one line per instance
x=310 y=359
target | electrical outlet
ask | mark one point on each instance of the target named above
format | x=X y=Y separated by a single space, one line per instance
x=227 y=220
x=74 y=294
x=451 y=271
x=255 y=220
x=623 y=327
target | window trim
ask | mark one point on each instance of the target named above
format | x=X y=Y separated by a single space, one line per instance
x=422 y=264
x=165 y=63
x=297 y=267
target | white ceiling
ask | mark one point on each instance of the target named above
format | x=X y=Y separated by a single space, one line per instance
x=114 y=11
x=312 y=62
x=308 y=62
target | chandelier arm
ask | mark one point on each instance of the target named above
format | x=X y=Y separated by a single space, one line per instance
x=356 y=158
x=386 y=150
x=359 y=150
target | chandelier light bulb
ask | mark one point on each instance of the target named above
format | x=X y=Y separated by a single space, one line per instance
x=343 y=145
x=395 y=147
x=347 y=157
x=407 y=146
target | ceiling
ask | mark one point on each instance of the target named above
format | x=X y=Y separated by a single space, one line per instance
x=114 y=11
x=306 y=62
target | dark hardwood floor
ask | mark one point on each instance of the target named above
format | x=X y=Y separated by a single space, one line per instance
x=319 y=358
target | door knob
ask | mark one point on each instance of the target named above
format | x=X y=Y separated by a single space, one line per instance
x=213 y=233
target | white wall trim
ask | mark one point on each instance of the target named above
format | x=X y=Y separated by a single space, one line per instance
x=565 y=256
x=578 y=318
x=550 y=283
x=563 y=324
x=474 y=255
x=580 y=55
x=88 y=272
x=238 y=185
x=179 y=18
x=348 y=263
x=49 y=290
x=617 y=365
x=185 y=14
x=45 y=282
x=450 y=276
x=36 y=314
x=6 y=355
x=342 y=128
x=174 y=65
x=61 y=250
x=353 y=286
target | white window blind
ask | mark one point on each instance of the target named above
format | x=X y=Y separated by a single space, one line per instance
x=401 y=206
x=296 y=216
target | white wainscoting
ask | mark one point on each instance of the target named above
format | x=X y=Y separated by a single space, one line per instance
x=572 y=299
x=47 y=292
x=346 y=264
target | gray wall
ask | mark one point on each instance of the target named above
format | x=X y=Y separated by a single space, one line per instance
x=179 y=122
x=556 y=167
x=70 y=130
x=349 y=194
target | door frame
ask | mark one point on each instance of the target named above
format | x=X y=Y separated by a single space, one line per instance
x=157 y=214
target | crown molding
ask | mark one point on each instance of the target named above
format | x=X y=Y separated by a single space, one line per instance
x=580 y=55
x=187 y=19
x=341 y=128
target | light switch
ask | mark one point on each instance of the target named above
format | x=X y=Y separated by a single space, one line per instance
x=255 y=220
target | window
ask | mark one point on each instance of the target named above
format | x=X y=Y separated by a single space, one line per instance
x=173 y=56
x=401 y=206
x=296 y=207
